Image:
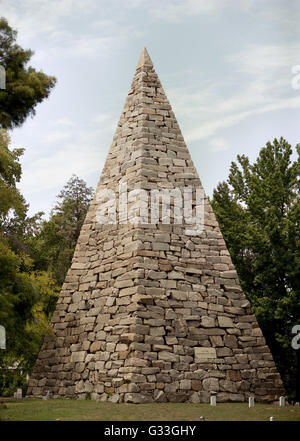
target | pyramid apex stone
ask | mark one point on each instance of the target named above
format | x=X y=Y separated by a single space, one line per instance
x=144 y=59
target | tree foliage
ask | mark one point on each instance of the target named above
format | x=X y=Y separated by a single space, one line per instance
x=27 y=293
x=25 y=87
x=258 y=211
x=27 y=296
x=58 y=236
x=10 y=174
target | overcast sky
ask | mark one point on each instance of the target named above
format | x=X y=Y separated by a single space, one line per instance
x=225 y=65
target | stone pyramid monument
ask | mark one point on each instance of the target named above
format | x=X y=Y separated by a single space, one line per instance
x=151 y=309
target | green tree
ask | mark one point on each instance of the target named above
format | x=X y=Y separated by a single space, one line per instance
x=10 y=174
x=25 y=87
x=58 y=237
x=17 y=297
x=27 y=301
x=27 y=296
x=258 y=211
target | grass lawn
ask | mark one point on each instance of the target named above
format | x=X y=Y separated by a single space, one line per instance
x=28 y=409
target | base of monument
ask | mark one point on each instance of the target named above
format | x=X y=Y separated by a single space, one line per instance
x=159 y=396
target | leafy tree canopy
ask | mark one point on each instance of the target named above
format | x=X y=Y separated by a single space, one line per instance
x=10 y=174
x=57 y=239
x=258 y=210
x=25 y=87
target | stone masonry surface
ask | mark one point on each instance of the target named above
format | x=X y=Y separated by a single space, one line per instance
x=148 y=313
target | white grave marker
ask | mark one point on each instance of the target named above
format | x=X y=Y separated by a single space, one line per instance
x=251 y=401
x=18 y=394
x=47 y=396
x=281 y=401
x=213 y=400
x=2 y=337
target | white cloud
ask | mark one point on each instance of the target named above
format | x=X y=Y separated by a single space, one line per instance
x=262 y=78
x=219 y=145
x=69 y=28
x=65 y=121
x=213 y=125
x=36 y=17
x=84 y=46
x=70 y=149
x=101 y=117
x=284 y=16
x=176 y=11
x=53 y=171
x=57 y=135
x=265 y=60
